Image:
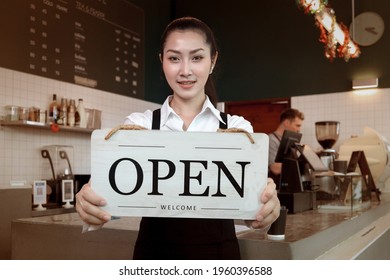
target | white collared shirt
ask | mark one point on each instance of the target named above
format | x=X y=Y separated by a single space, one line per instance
x=207 y=120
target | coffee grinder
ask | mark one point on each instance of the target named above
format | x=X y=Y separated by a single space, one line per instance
x=327 y=134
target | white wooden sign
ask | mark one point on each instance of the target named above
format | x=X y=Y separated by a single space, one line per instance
x=179 y=174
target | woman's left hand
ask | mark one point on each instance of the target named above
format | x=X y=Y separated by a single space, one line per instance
x=270 y=210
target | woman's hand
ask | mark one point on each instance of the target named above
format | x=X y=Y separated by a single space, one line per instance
x=88 y=205
x=270 y=210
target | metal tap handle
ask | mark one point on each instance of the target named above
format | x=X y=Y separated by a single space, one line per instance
x=46 y=154
x=64 y=155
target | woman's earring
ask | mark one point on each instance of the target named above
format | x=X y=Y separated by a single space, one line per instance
x=212 y=68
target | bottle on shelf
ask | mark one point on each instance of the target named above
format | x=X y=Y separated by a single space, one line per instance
x=80 y=116
x=63 y=112
x=71 y=113
x=53 y=110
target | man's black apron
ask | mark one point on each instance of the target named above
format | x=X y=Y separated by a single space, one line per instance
x=275 y=177
x=185 y=238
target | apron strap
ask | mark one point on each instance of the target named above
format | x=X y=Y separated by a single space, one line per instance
x=224 y=118
x=156 y=120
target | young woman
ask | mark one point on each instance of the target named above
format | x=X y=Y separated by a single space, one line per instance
x=188 y=56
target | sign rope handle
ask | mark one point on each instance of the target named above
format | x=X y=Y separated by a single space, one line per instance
x=124 y=127
x=238 y=130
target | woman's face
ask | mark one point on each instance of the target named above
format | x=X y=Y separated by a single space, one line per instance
x=186 y=63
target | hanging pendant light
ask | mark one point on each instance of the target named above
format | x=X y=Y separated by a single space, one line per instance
x=335 y=36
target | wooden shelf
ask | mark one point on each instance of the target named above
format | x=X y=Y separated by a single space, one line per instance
x=44 y=126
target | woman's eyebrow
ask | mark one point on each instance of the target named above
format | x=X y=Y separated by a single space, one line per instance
x=191 y=52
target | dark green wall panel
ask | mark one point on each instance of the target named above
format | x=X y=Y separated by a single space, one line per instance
x=269 y=49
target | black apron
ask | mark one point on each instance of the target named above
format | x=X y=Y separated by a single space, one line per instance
x=275 y=177
x=186 y=238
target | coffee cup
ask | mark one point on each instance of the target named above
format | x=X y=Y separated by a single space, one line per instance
x=340 y=166
x=278 y=227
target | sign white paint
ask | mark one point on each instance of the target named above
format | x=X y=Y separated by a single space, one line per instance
x=179 y=174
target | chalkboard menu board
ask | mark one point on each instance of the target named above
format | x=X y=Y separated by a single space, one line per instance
x=93 y=43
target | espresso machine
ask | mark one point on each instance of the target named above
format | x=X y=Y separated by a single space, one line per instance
x=327 y=134
x=57 y=162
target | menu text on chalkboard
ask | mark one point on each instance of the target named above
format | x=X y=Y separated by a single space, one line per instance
x=93 y=43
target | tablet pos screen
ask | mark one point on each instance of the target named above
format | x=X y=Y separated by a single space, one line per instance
x=287 y=144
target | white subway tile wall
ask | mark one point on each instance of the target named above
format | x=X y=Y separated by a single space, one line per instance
x=20 y=158
x=354 y=112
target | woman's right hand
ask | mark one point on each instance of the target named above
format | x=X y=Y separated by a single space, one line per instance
x=88 y=205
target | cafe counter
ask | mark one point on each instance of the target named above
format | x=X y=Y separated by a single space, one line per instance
x=313 y=234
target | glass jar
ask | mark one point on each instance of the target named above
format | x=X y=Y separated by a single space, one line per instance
x=12 y=113
x=33 y=114
x=23 y=113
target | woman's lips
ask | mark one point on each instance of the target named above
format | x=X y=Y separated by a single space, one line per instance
x=186 y=84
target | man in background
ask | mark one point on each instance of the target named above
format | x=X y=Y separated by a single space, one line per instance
x=290 y=119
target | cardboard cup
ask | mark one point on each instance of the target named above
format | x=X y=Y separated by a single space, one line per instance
x=278 y=227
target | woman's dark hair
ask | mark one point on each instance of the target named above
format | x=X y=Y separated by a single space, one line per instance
x=191 y=23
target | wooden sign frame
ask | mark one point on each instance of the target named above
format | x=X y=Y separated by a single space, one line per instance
x=179 y=174
x=358 y=158
x=358 y=161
